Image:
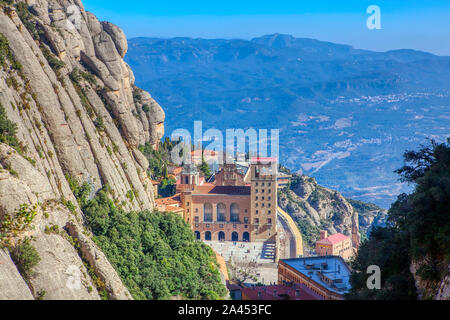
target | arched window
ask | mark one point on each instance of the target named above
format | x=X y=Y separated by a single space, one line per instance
x=208 y=235
x=207 y=212
x=235 y=236
x=197 y=235
x=221 y=212
x=246 y=236
x=234 y=212
x=221 y=236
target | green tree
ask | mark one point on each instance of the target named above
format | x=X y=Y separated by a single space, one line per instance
x=155 y=254
x=8 y=130
x=418 y=229
x=204 y=168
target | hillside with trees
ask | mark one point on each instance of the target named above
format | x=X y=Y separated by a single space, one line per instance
x=154 y=253
x=413 y=249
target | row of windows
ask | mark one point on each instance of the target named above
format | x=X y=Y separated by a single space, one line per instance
x=221 y=212
x=269 y=221
x=292 y=278
x=262 y=190
x=268 y=212
x=262 y=184
x=222 y=237
x=263 y=205
x=220 y=218
x=262 y=198
x=221 y=226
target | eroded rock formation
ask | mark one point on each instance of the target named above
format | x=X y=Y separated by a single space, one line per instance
x=79 y=116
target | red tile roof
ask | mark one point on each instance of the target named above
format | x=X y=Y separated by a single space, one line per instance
x=263 y=159
x=228 y=190
x=333 y=239
x=169 y=201
x=280 y=292
x=205 y=153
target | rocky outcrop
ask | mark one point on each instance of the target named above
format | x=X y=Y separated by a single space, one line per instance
x=62 y=272
x=64 y=83
x=426 y=289
x=74 y=99
x=316 y=208
x=12 y=285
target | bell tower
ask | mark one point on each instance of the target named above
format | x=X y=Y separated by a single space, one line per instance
x=189 y=175
x=263 y=177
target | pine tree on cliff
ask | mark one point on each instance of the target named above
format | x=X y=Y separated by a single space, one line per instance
x=417 y=232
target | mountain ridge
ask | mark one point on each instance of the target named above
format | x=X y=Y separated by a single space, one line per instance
x=336 y=107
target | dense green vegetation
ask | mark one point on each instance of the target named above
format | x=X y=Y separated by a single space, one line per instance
x=204 y=168
x=8 y=131
x=159 y=160
x=363 y=207
x=418 y=229
x=25 y=257
x=155 y=254
x=310 y=233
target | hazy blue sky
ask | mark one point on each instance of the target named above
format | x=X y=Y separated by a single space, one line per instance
x=416 y=24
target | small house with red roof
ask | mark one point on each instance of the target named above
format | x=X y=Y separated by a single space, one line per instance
x=335 y=245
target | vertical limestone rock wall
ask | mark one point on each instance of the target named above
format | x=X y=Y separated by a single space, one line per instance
x=78 y=114
x=75 y=102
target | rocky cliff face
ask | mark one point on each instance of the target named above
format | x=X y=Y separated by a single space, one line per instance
x=426 y=289
x=79 y=116
x=314 y=208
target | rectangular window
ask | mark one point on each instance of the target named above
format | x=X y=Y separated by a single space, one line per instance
x=269 y=221
x=256 y=221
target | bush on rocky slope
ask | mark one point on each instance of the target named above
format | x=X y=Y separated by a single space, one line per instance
x=417 y=233
x=154 y=253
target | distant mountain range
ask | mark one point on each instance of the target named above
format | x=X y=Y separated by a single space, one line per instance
x=345 y=115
